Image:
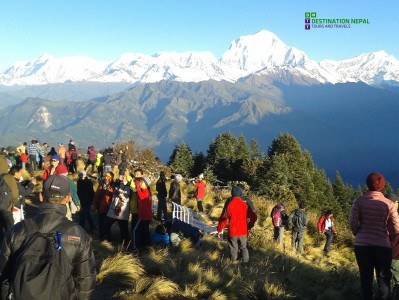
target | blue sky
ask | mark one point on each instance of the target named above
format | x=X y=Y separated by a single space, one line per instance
x=107 y=29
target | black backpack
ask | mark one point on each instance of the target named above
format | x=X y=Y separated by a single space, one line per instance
x=5 y=193
x=41 y=269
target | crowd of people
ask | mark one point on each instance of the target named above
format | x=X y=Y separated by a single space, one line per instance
x=374 y=219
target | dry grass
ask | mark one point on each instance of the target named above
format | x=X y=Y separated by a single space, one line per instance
x=184 y=272
x=120 y=268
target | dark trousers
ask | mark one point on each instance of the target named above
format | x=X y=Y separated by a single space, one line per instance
x=92 y=163
x=101 y=221
x=238 y=246
x=370 y=258
x=32 y=162
x=6 y=222
x=84 y=214
x=72 y=167
x=162 y=208
x=199 y=205
x=297 y=241
x=329 y=236
x=100 y=171
x=141 y=234
x=123 y=228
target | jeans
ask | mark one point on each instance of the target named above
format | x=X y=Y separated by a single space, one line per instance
x=237 y=245
x=370 y=258
x=329 y=236
x=279 y=235
x=297 y=241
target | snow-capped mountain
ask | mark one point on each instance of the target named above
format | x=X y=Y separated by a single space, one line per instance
x=261 y=53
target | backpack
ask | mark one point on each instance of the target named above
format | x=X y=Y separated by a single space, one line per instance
x=74 y=155
x=5 y=193
x=41 y=269
x=276 y=216
x=296 y=220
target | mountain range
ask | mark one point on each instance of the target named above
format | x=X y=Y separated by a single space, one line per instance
x=344 y=112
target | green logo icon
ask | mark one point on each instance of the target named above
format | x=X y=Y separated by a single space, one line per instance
x=313 y=15
x=307 y=14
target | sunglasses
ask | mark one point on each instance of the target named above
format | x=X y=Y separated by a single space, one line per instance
x=54 y=160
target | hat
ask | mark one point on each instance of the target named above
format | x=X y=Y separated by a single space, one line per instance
x=56 y=157
x=236 y=191
x=178 y=177
x=147 y=181
x=375 y=182
x=110 y=175
x=71 y=140
x=60 y=170
x=56 y=186
x=201 y=176
x=82 y=174
x=284 y=203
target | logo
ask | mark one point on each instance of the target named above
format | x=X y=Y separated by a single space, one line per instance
x=311 y=21
x=73 y=238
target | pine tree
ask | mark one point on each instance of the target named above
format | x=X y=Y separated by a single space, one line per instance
x=181 y=161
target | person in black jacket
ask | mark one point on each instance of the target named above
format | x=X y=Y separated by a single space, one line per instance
x=298 y=219
x=162 y=194
x=86 y=197
x=74 y=241
x=174 y=189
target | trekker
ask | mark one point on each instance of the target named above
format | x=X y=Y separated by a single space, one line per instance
x=54 y=168
x=134 y=200
x=141 y=233
x=374 y=221
x=86 y=197
x=119 y=210
x=279 y=220
x=199 y=194
x=326 y=226
x=91 y=158
x=25 y=187
x=298 y=219
x=33 y=151
x=235 y=212
x=62 y=153
x=6 y=218
x=162 y=193
x=102 y=201
x=174 y=189
x=73 y=156
x=100 y=164
x=72 y=273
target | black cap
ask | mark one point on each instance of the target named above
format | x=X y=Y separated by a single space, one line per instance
x=56 y=186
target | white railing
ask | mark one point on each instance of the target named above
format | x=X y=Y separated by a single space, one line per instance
x=187 y=216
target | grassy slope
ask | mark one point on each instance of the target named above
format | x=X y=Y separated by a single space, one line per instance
x=206 y=273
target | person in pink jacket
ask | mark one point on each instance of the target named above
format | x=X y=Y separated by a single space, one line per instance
x=374 y=221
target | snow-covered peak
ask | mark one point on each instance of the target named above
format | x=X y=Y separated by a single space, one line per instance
x=371 y=68
x=259 y=53
x=261 y=50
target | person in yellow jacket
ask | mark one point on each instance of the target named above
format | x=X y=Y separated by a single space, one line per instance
x=100 y=164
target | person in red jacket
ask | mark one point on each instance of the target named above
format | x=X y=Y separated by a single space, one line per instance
x=199 y=194
x=326 y=226
x=235 y=212
x=141 y=231
x=102 y=201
